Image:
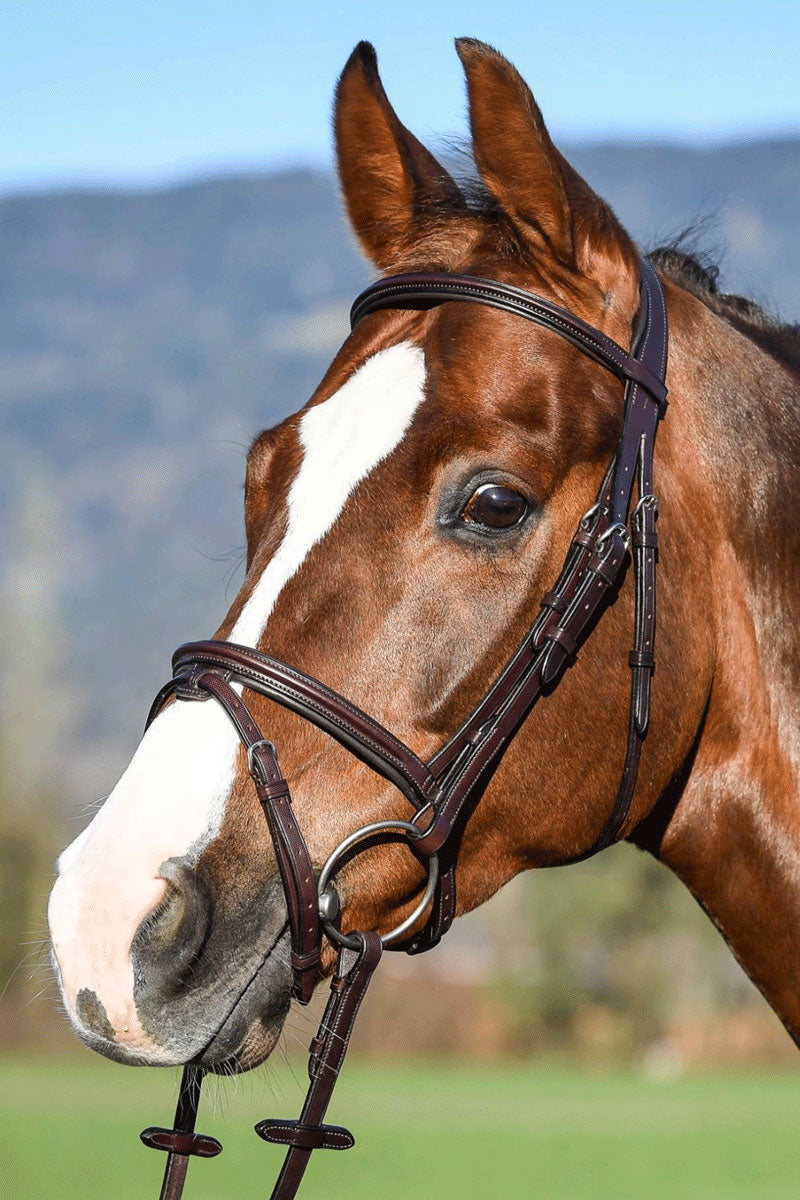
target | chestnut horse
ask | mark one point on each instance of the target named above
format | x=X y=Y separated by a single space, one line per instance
x=380 y=562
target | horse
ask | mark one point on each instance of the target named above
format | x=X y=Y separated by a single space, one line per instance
x=401 y=530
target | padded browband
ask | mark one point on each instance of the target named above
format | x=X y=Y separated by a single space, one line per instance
x=423 y=291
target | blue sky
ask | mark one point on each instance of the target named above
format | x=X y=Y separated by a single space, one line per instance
x=126 y=91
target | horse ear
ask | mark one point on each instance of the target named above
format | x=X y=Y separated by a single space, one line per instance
x=390 y=182
x=550 y=206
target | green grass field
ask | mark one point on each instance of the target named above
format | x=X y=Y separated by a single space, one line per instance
x=70 y=1130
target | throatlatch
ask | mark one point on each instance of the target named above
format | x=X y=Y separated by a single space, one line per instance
x=444 y=790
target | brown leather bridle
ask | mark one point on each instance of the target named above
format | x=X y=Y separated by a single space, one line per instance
x=444 y=790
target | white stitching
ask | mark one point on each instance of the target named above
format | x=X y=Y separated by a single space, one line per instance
x=287 y=689
x=607 y=348
x=328 y=1132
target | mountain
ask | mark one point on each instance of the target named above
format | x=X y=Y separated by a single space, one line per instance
x=146 y=337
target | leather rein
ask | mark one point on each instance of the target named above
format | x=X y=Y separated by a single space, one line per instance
x=444 y=790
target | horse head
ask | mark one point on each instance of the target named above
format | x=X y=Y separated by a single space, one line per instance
x=401 y=531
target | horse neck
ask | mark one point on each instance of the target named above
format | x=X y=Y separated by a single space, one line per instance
x=730 y=828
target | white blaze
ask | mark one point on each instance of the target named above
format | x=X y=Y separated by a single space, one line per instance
x=342 y=440
x=171 y=799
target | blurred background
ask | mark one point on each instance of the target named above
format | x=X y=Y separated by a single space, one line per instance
x=175 y=275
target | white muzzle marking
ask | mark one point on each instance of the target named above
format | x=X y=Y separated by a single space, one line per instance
x=171 y=800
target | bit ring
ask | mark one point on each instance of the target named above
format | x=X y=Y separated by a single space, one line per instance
x=326 y=891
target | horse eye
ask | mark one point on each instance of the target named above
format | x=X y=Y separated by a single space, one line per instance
x=495 y=507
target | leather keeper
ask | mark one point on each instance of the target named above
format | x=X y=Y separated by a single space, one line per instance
x=584 y=538
x=304 y=962
x=565 y=640
x=644 y=539
x=305 y=970
x=642 y=658
x=274 y=791
x=555 y=602
x=605 y=568
x=316 y=1045
x=305 y=1137
x=186 y=686
x=175 y=1142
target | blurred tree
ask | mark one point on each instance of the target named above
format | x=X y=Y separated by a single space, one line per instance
x=35 y=690
x=618 y=954
x=17 y=873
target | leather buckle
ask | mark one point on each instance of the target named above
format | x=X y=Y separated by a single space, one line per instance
x=254 y=765
x=614 y=531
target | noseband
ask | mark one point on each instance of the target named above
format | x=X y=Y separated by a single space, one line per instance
x=444 y=790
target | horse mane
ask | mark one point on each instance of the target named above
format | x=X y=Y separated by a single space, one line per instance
x=698 y=273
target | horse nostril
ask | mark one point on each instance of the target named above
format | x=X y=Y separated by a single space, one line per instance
x=92 y=1015
x=171 y=938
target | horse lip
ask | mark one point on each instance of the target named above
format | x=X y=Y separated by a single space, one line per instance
x=207 y=1057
